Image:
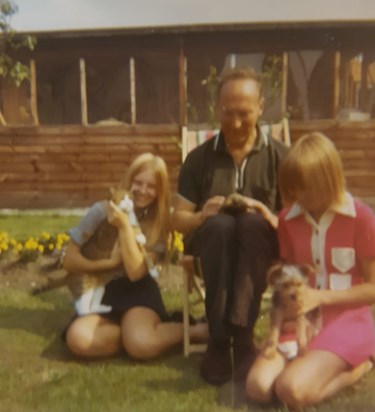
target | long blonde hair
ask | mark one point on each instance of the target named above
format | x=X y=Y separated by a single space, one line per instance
x=158 y=215
x=312 y=164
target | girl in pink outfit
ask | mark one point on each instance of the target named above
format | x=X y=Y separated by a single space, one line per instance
x=325 y=227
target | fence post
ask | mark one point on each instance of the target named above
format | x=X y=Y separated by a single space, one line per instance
x=83 y=88
x=33 y=94
x=284 y=84
x=133 y=102
x=336 y=83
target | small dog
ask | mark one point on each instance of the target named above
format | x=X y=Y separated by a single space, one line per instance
x=234 y=204
x=286 y=282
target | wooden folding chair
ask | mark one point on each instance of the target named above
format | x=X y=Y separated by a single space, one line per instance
x=192 y=271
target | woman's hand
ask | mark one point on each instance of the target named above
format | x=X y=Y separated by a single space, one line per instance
x=116 y=216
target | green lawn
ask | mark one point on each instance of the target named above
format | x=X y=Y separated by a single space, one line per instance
x=37 y=373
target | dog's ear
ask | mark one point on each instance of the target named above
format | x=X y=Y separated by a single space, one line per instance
x=274 y=273
x=307 y=271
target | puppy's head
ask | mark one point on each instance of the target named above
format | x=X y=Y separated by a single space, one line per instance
x=235 y=204
x=286 y=280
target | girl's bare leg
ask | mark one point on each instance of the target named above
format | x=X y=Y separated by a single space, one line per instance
x=94 y=336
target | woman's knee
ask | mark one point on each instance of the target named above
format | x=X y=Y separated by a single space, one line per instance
x=260 y=383
x=258 y=390
x=292 y=391
x=138 y=331
x=140 y=345
x=78 y=340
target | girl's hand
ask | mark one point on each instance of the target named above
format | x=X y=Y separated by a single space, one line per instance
x=263 y=210
x=309 y=298
x=116 y=216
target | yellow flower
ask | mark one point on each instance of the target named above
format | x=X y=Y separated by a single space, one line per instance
x=46 y=235
x=4 y=245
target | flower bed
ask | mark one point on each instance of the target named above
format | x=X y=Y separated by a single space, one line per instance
x=32 y=248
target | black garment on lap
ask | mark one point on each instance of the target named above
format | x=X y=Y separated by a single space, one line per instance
x=122 y=295
x=235 y=254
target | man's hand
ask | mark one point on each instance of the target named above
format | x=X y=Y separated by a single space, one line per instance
x=212 y=206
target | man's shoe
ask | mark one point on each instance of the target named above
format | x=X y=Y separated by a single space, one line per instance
x=216 y=366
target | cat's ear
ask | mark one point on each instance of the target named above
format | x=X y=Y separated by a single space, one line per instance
x=111 y=193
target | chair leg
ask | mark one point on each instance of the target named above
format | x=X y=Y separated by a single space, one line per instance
x=186 y=312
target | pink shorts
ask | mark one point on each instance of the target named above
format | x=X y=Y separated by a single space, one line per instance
x=349 y=334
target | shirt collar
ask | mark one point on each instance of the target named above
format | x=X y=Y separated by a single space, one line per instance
x=345 y=208
x=260 y=141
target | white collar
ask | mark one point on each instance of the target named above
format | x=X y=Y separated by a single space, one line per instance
x=345 y=208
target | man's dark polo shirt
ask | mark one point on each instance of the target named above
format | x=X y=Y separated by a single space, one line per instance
x=210 y=170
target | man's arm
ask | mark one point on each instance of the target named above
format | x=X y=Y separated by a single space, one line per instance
x=185 y=217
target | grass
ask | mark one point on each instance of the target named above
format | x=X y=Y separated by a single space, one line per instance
x=37 y=372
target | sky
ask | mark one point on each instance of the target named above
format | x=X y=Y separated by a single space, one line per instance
x=49 y=15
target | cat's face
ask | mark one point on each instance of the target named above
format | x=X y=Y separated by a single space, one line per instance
x=117 y=195
x=143 y=188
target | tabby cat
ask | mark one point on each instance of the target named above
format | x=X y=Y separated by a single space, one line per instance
x=88 y=288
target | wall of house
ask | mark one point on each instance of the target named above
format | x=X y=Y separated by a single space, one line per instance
x=73 y=166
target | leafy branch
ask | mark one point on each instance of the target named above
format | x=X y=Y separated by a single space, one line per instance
x=11 y=41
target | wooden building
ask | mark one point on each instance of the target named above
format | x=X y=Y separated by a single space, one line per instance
x=98 y=98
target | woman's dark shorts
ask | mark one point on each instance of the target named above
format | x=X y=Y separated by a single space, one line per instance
x=122 y=295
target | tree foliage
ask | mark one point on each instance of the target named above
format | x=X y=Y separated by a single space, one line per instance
x=10 y=67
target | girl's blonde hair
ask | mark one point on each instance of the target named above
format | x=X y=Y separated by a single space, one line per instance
x=312 y=164
x=158 y=222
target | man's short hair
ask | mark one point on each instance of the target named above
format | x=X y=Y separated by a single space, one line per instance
x=239 y=73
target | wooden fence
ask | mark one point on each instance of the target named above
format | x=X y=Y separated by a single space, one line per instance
x=73 y=166
x=356 y=144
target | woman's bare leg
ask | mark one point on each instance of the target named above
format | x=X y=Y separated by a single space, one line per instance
x=94 y=336
x=345 y=379
x=262 y=376
x=144 y=336
x=315 y=377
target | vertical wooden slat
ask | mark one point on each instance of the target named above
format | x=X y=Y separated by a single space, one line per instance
x=182 y=66
x=2 y=119
x=347 y=83
x=82 y=77
x=284 y=83
x=363 y=82
x=33 y=93
x=133 y=103
x=336 y=83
